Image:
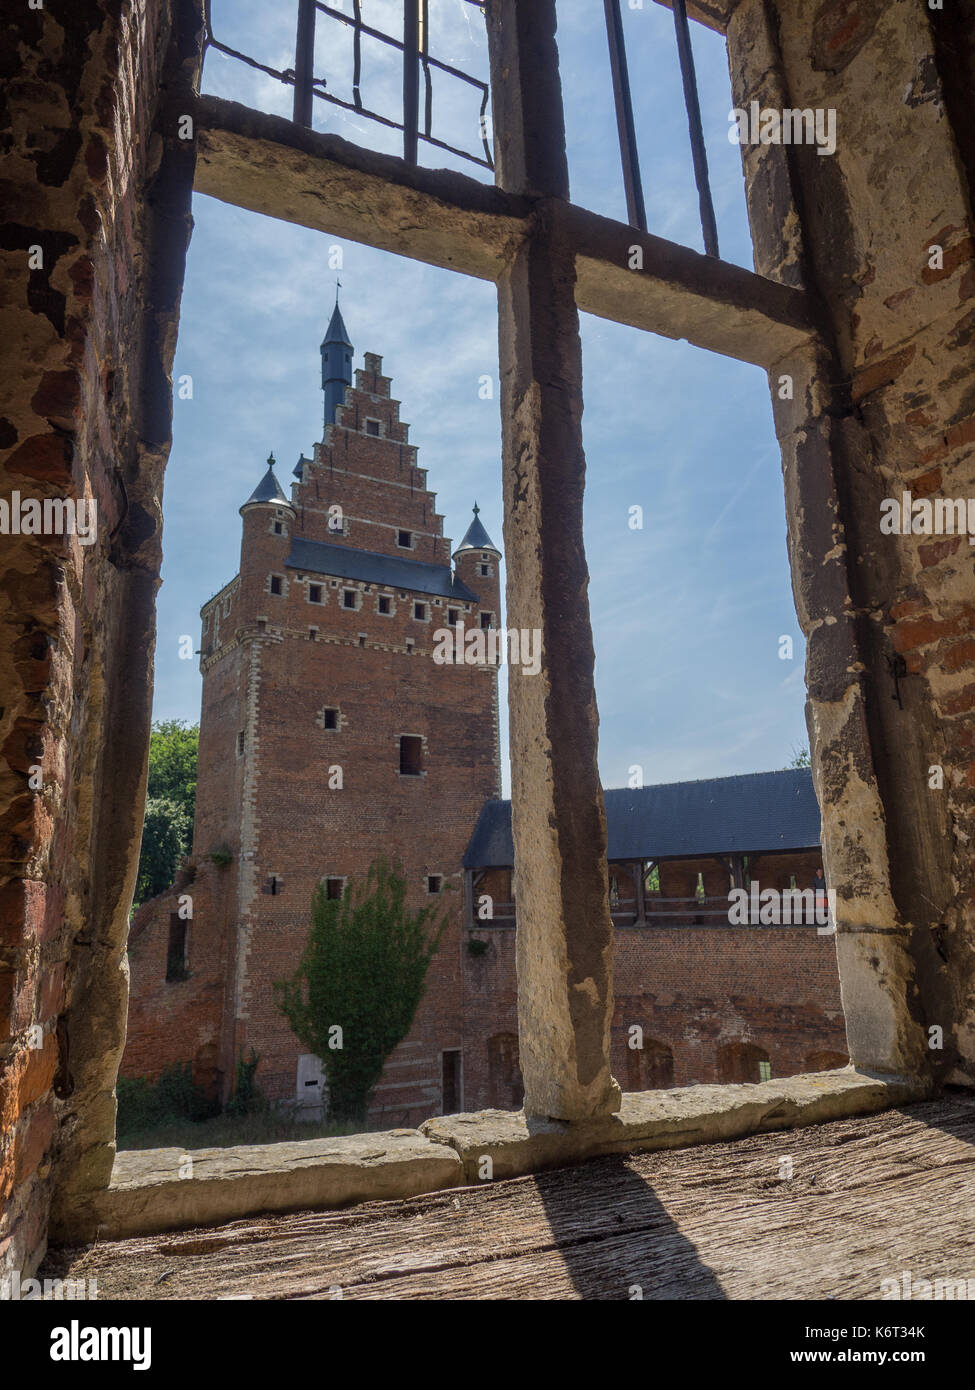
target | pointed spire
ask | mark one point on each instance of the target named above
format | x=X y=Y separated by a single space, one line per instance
x=336 y=361
x=268 y=489
x=476 y=538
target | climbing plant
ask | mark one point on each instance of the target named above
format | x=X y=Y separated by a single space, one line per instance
x=360 y=981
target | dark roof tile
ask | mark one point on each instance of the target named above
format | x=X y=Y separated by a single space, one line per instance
x=750 y=814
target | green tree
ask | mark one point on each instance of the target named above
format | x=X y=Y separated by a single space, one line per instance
x=165 y=840
x=363 y=972
x=800 y=758
x=170 y=802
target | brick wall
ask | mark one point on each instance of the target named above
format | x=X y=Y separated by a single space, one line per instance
x=86 y=347
x=267 y=786
x=698 y=993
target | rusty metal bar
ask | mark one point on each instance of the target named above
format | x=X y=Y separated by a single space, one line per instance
x=686 y=55
x=304 y=62
x=356 y=53
x=632 y=182
x=425 y=60
x=411 y=79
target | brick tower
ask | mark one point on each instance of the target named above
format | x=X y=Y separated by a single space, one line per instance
x=330 y=735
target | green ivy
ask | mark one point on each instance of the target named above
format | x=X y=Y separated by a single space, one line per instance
x=364 y=971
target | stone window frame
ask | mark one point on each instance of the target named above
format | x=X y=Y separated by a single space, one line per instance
x=390 y=612
x=453 y=621
x=427 y=614
x=282 y=579
x=322 y=593
x=506 y=233
x=404 y=531
x=441 y=880
x=351 y=607
x=378 y=432
x=327 y=879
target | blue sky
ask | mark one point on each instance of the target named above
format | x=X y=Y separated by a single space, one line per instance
x=687 y=612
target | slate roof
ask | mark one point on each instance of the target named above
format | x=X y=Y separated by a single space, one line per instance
x=336 y=332
x=393 y=571
x=268 y=490
x=750 y=814
x=476 y=538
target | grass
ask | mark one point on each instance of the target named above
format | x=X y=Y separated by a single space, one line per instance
x=226 y=1131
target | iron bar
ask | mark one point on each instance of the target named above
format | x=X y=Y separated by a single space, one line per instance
x=304 y=62
x=632 y=183
x=411 y=78
x=425 y=60
x=356 y=52
x=308 y=86
x=685 y=53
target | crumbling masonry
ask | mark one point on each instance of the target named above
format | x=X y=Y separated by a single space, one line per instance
x=850 y=301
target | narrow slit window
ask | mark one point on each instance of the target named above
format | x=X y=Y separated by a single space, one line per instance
x=410 y=755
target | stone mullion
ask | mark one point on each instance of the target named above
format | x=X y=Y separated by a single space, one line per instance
x=565 y=934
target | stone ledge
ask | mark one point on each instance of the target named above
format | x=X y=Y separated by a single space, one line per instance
x=147 y=1195
x=672 y=1119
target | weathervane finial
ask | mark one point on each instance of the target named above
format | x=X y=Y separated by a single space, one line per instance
x=476 y=508
x=270 y=460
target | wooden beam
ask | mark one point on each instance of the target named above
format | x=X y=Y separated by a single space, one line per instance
x=678 y=293
x=269 y=165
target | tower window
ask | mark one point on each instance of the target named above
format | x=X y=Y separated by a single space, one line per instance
x=487 y=620
x=278 y=528
x=314 y=593
x=420 y=612
x=240 y=744
x=385 y=604
x=485 y=571
x=333 y=889
x=410 y=755
x=176 y=948
x=404 y=539
x=330 y=718
x=349 y=598
x=372 y=427
x=434 y=883
x=452 y=616
x=275 y=584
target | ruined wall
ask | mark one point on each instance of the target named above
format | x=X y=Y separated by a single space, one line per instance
x=181 y=1019
x=694 y=991
x=92 y=181
x=886 y=407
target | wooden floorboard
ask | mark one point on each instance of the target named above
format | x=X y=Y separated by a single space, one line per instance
x=867 y=1199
